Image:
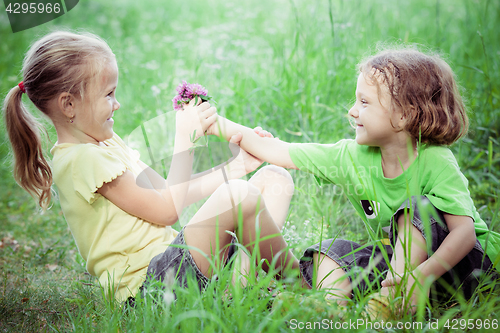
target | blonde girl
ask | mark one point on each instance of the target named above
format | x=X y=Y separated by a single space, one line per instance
x=403 y=181
x=122 y=227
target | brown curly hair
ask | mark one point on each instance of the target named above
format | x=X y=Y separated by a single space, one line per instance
x=424 y=89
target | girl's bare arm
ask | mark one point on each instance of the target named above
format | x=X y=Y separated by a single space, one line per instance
x=160 y=201
x=459 y=242
x=271 y=150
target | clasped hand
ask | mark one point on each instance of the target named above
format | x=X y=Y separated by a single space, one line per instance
x=244 y=162
x=201 y=119
x=195 y=119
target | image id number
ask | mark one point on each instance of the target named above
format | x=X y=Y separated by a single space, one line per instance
x=471 y=324
x=32 y=8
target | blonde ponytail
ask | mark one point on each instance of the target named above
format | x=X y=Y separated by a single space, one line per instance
x=31 y=170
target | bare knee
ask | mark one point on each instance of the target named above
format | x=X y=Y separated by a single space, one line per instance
x=406 y=228
x=403 y=221
x=274 y=179
x=276 y=171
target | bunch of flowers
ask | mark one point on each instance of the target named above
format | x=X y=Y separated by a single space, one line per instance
x=188 y=91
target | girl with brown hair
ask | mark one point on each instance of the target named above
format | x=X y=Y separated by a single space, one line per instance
x=403 y=181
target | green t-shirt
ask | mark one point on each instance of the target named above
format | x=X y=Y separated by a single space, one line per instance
x=357 y=171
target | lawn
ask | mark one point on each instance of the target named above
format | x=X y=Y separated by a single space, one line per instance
x=288 y=66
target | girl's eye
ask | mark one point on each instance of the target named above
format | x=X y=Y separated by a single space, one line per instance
x=364 y=101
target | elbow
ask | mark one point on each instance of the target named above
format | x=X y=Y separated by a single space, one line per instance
x=463 y=231
x=471 y=238
x=164 y=218
x=170 y=219
x=167 y=213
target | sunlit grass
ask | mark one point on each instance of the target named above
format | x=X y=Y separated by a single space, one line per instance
x=288 y=66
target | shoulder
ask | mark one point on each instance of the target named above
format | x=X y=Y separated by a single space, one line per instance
x=80 y=153
x=438 y=157
x=84 y=168
x=442 y=153
x=77 y=159
x=444 y=184
x=65 y=154
x=438 y=165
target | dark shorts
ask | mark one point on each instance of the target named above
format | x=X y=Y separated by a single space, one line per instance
x=367 y=266
x=176 y=264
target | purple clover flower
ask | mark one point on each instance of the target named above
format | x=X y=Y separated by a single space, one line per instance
x=196 y=89
x=186 y=92
x=178 y=101
x=182 y=88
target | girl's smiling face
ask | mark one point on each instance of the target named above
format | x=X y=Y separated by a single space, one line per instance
x=371 y=114
x=93 y=117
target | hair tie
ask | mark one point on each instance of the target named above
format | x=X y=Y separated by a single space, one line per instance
x=21 y=86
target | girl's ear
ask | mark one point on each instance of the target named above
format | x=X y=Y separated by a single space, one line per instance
x=402 y=118
x=66 y=104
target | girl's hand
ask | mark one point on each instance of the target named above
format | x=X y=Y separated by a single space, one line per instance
x=263 y=133
x=214 y=129
x=411 y=291
x=244 y=163
x=195 y=118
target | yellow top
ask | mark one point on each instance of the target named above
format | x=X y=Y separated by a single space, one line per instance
x=117 y=246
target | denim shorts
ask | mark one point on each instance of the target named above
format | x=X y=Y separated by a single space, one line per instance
x=366 y=266
x=177 y=260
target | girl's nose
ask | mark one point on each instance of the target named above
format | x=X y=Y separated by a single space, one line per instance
x=353 y=112
x=116 y=105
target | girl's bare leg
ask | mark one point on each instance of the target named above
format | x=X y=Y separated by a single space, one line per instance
x=209 y=236
x=276 y=186
x=410 y=245
x=409 y=252
x=331 y=278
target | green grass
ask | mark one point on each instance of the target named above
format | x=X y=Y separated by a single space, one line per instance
x=288 y=66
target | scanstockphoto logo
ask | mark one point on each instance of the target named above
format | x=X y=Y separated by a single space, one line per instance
x=28 y=14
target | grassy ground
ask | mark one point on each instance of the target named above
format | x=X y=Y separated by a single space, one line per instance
x=288 y=66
